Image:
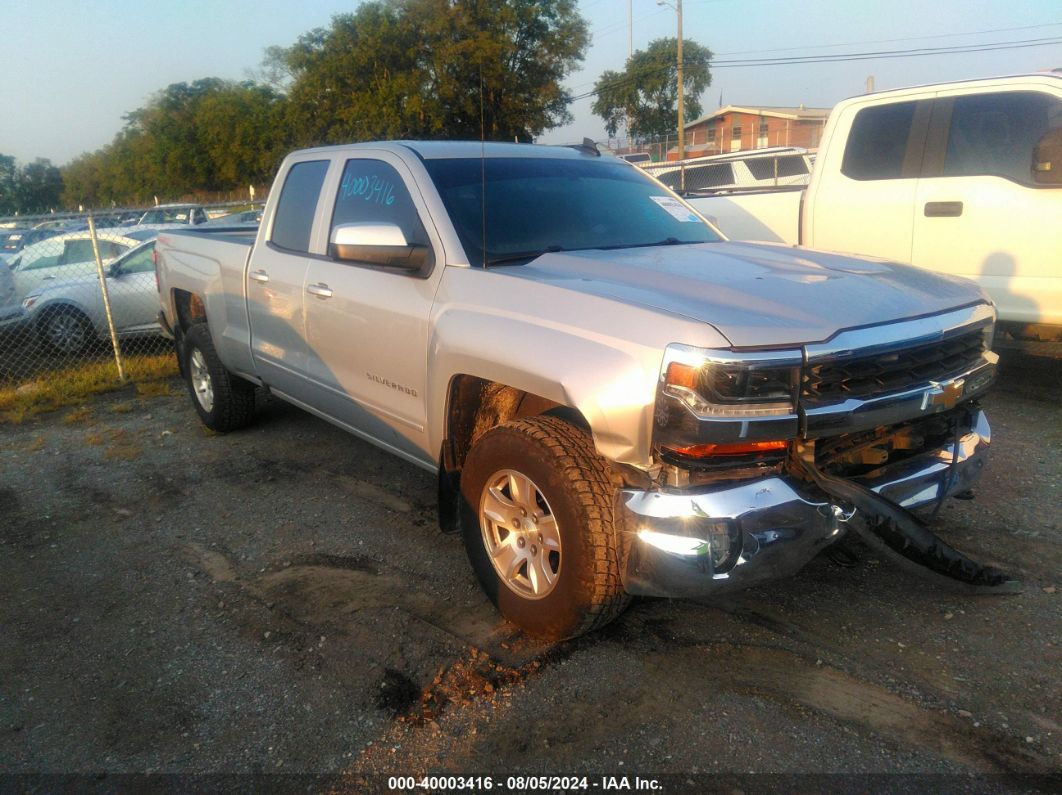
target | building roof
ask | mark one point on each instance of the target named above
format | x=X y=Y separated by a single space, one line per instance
x=797 y=113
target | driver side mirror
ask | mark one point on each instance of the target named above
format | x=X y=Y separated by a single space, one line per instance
x=1047 y=158
x=377 y=244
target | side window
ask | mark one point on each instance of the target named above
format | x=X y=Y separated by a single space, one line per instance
x=76 y=251
x=141 y=261
x=995 y=134
x=371 y=191
x=297 y=205
x=48 y=261
x=877 y=142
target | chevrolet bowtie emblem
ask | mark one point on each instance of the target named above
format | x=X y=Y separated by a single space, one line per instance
x=943 y=396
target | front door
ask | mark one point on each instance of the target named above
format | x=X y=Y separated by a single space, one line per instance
x=367 y=325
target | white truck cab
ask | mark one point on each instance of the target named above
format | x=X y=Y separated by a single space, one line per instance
x=957 y=178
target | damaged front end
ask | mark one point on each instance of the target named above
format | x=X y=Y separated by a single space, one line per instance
x=769 y=457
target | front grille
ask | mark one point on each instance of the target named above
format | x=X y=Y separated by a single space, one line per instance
x=861 y=377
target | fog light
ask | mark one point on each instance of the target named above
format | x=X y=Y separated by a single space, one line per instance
x=716 y=539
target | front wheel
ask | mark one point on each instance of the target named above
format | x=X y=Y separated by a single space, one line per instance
x=539 y=526
x=223 y=401
x=67 y=331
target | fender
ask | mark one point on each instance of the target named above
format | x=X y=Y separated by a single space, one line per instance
x=609 y=374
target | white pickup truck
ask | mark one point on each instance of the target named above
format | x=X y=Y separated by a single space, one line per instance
x=960 y=178
x=616 y=400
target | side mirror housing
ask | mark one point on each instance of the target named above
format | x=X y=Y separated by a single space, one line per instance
x=377 y=244
x=1047 y=158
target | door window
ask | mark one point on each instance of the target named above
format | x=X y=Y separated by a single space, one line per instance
x=877 y=142
x=141 y=261
x=371 y=191
x=298 y=205
x=994 y=134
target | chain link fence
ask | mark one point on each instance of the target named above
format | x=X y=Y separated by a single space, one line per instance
x=79 y=297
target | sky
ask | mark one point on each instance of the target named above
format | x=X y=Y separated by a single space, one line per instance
x=72 y=69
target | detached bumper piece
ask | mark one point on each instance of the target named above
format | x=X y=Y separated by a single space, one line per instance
x=695 y=543
x=900 y=535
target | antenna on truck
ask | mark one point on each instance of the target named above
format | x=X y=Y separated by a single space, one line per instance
x=482 y=167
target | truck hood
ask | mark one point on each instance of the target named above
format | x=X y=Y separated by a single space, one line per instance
x=756 y=294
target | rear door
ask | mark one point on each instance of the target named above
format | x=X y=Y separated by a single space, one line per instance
x=979 y=212
x=863 y=203
x=367 y=325
x=275 y=280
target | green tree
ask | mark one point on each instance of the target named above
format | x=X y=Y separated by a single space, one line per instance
x=434 y=69
x=207 y=135
x=8 y=185
x=645 y=93
x=40 y=185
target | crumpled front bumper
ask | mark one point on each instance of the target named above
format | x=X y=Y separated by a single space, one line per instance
x=692 y=543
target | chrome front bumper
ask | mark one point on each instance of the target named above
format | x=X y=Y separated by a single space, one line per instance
x=701 y=542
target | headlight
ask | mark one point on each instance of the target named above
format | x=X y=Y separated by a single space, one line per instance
x=719 y=384
x=29 y=301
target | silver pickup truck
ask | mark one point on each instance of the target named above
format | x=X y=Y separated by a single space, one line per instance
x=616 y=399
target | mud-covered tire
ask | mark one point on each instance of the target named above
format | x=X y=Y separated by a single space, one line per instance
x=223 y=401
x=566 y=470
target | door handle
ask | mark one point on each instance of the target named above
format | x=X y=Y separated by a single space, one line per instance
x=943 y=209
x=258 y=276
x=46 y=278
x=321 y=290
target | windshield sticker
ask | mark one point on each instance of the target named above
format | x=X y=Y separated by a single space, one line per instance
x=675 y=208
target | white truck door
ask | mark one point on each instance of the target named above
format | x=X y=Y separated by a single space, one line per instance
x=862 y=201
x=276 y=278
x=980 y=212
x=367 y=325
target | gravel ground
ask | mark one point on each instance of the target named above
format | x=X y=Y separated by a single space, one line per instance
x=280 y=600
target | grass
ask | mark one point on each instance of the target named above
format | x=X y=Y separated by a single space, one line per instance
x=71 y=386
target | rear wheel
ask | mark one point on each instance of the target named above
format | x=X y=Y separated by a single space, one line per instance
x=67 y=331
x=224 y=402
x=538 y=521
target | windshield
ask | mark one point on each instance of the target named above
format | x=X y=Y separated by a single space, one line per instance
x=535 y=205
x=166 y=215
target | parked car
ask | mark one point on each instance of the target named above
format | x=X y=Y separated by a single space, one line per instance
x=70 y=256
x=10 y=310
x=614 y=399
x=174 y=214
x=960 y=178
x=13 y=241
x=757 y=168
x=638 y=158
x=70 y=314
x=238 y=219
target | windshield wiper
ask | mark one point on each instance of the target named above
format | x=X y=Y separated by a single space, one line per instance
x=667 y=241
x=525 y=255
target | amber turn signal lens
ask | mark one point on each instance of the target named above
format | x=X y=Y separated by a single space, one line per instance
x=679 y=374
x=742 y=448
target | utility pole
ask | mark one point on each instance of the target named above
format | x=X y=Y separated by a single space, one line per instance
x=681 y=110
x=630 y=54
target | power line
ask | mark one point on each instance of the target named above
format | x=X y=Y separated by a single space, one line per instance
x=890 y=41
x=834 y=58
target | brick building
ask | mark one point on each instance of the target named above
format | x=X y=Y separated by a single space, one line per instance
x=735 y=128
